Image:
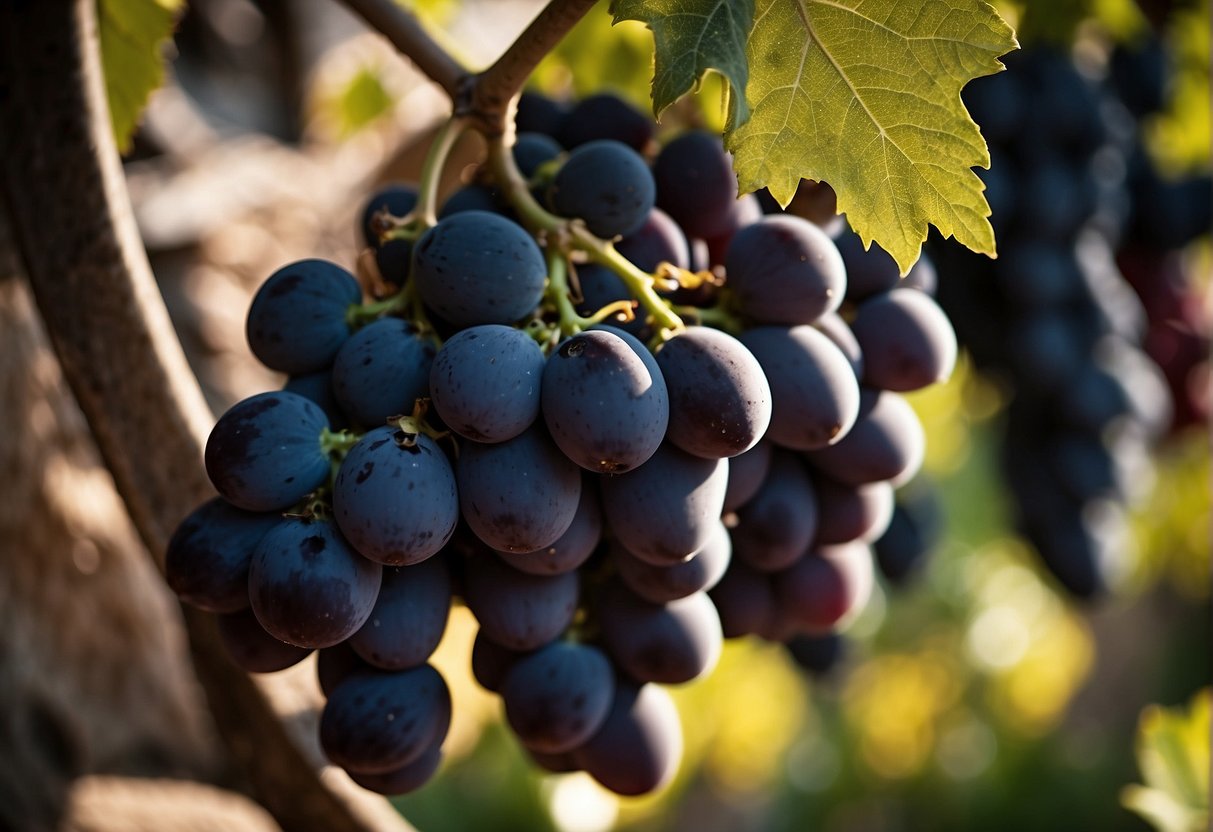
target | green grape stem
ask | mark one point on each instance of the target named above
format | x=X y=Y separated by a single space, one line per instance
x=573 y=234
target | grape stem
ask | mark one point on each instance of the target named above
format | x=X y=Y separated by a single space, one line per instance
x=572 y=234
x=404 y=30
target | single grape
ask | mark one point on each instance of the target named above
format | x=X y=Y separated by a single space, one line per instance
x=409 y=617
x=318 y=387
x=308 y=587
x=605 y=116
x=606 y=184
x=491 y=661
x=784 y=270
x=826 y=588
x=557 y=697
x=779 y=522
x=517 y=610
x=407 y=778
x=814 y=393
x=531 y=150
x=395 y=498
x=696 y=184
x=519 y=495
x=747 y=472
x=658 y=240
x=606 y=409
x=667 y=509
x=662 y=584
x=251 y=648
x=484 y=382
x=638 y=746
x=264 y=453
x=207 y=559
x=744 y=601
x=572 y=548
x=382 y=370
x=475 y=267
x=907 y=340
x=887 y=443
x=393 y=257
x=851 y=512
x=297 y=320
x=376 y=722
x=670 y=643
x=720 y=402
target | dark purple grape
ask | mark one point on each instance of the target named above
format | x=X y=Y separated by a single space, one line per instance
x=887 y=443
x=906 y=339
x=826 y=588
x=779 y=522
x=395 y=498
x=531 y=150
x=298 y=318
x=318 y=387
x=572 y=548
x=605 y=408
x=818 y=654
x=520 y=495
x=484 y=382
x=474 y=197
x=476 y=267
x=784 y=270
x=491 y=661
x=658 y=240
x=744 y=601
x=870 y=271
x=517 y=610
x=208 y=556
x=395 y=198
x=814 y=393
x=376 y=722
x=335 y=664
x=264 y=453
x=638 y=747
x=667 y=509
x=409 y=617
x=407 y=778
x=382 y=370
x=747 y=472
x=720 y=402
x=308 y=587
x=606 y=184
x=251 y=648
x=538 y=114
x=851 y=512
x=908 y=540
x=605 y=116
x=557 y=697
x=669 y=643
x=832 y=326
x=744 y=212
x=661 y=584
x=696 y=184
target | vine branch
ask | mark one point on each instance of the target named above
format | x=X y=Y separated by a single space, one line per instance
x=496 y=86
x=402 y=28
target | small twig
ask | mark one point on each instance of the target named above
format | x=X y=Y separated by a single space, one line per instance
x=406 y=33
x=493 y=88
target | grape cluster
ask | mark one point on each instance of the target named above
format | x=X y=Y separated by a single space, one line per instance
x=1054 y=317
x=1164 y=215
x=616 y=455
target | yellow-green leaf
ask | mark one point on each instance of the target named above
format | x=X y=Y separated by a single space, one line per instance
x=132 y=34
x=1173 y=753
x=690 y=38
x=865 y=95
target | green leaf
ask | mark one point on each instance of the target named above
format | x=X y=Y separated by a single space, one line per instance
x=865 y=95
x=132 y=33
x=1173 y=753
x=692 y=37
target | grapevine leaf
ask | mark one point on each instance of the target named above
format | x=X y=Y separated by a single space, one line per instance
x=865 y=95
x=690 y=38
x=132 y=33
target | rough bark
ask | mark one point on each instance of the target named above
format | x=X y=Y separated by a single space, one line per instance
x=61 y=180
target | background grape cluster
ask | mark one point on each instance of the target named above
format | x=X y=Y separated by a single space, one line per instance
x=610 y=497
x=1054 y=317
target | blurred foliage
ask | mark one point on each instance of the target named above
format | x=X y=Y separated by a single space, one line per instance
x=132 y=35
x=1173 y=752
x=1181 y=136
x=1058 y=21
